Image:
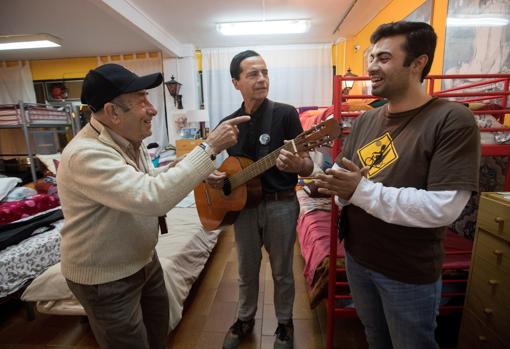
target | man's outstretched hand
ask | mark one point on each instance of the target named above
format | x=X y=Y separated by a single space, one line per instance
x=225 y=135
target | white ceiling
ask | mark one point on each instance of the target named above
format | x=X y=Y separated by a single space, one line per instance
x=175 y=27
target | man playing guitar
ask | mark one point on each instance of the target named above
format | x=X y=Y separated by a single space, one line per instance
x=272 y=222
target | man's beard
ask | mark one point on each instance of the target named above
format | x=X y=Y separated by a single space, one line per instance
x=389 y=92
x=381 y=91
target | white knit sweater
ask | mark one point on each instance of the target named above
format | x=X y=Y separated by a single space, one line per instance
x=111 y=206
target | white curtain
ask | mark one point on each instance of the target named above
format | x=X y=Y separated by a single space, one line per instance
x=300 y=75
x=144 y=66
x=16 y=84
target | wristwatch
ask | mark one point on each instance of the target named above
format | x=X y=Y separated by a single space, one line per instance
x=208 y=149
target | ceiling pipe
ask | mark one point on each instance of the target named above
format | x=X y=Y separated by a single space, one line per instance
x=345 y=16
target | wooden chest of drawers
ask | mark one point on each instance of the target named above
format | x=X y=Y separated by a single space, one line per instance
x=487 y=309
x=184 y=146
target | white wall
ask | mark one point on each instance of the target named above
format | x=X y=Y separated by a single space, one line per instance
x=184 y=71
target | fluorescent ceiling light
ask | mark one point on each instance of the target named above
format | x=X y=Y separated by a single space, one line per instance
x=292 y=26
x=477 y=21
x=17 y=42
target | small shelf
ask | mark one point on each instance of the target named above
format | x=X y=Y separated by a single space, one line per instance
x=48 y=125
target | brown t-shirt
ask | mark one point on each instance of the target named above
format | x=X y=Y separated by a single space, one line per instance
x=434 y=147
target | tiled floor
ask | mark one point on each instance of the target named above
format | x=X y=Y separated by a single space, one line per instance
x=209 y=312
x=211 y=309
x=214 y=307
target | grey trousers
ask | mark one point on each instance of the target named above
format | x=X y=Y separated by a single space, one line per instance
x=128 y=313
x=271 y=224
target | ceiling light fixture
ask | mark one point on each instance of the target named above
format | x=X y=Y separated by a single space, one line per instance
x=477 y=21
x=18 y=42
x=291 y=26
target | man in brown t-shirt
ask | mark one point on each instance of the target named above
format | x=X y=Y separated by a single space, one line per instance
x=406 y=171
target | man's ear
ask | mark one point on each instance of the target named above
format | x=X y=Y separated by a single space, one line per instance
x=110 y=111
x=235 y=82
x=419 y=63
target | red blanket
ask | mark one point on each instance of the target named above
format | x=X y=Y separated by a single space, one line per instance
x=14 y=210
x=313 y=233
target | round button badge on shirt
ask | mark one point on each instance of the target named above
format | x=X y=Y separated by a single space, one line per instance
x=264 y=139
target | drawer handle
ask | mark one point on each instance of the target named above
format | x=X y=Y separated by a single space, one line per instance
x=488 y=311
x=499 y=256
x=497 y=253
x=500 y=221
x=493 y=282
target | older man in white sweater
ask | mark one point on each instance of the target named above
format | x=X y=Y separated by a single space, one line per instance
x=112 y=197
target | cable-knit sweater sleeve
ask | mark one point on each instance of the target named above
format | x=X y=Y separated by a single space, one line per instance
x=104 y=176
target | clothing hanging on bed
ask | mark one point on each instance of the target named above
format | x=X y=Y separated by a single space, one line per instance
x=14 y=233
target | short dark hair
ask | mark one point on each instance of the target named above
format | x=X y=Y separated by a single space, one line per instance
x=235 y=65
x=420 y=39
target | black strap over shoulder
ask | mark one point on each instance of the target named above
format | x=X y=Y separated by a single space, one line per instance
x=267 y=122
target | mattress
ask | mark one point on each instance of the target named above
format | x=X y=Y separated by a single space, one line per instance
x=183 y=253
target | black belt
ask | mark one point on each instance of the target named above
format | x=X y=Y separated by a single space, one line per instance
x=280 y=195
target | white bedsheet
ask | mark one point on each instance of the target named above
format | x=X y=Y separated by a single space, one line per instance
x=183 y=253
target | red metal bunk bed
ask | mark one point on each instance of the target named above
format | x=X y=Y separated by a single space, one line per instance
x=456 y=257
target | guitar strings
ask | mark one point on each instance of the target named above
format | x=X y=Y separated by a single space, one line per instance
x=253 y=169
x=267 y=161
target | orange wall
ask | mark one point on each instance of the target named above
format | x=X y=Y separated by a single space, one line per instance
x=338 y=56
x=73 y=68
x=67 y=68
x=439 y=14
x=198 y=57
x=396 y=10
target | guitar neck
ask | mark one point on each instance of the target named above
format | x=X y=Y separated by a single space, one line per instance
x=259 y=167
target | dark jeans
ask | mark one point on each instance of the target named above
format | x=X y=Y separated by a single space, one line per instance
x=128 y=313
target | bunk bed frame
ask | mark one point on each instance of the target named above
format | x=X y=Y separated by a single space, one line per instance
x=463 y=94
x=29 y=116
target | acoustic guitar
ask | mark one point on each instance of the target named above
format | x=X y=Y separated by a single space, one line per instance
x=242 y=187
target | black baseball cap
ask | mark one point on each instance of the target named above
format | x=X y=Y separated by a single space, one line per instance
x=108 y=81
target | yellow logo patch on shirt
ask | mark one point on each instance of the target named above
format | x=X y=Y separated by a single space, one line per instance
x=378 y=154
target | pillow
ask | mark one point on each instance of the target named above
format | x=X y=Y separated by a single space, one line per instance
x=487 y=121
x=46 y=185
x=308 y=118
x=475 y=105
x=49 y=161
x=50 y=285
x=7 y=184
x=378 y=103
x=304 y=109
x=353 y=106
x=19 y=193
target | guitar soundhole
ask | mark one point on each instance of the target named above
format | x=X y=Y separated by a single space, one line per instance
x=227 y=188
